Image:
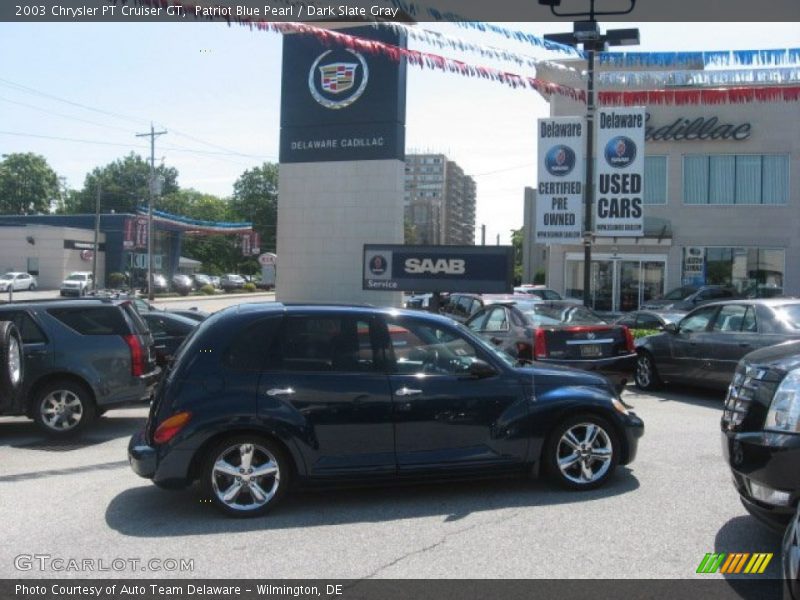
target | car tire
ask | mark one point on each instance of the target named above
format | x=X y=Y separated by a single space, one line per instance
x=12 y=363
x=645 y=374
x=63 y=408
x=234 y=491
x=31 y=287
x=582 y=452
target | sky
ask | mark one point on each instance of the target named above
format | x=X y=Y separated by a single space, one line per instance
x=78 y=93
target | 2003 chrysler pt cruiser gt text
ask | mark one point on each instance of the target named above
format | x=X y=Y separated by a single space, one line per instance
x=262 y=396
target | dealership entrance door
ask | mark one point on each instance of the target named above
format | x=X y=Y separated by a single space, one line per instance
x=619 y=283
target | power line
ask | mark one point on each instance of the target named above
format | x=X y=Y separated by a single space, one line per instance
x=74 y=118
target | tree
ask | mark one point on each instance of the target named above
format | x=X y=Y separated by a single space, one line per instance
x=124 y=185
x=255 y=199
x=516 y=243
x=27 y=184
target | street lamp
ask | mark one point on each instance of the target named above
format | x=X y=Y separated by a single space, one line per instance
x=588 y=34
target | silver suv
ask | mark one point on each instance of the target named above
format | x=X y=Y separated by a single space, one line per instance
x=77 y=283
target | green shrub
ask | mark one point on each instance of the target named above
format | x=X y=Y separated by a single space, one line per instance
x=639 y=333
x=115 y=280
x=208 y=289
x=249 y=287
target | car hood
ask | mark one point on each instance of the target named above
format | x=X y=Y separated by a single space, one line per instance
x=555 y=375
x=784 y=356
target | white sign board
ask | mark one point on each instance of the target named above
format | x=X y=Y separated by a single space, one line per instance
x=559 y=195
x=619 y=182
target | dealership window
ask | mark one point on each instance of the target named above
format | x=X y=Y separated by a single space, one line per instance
x=752 y=272
x=736 y=179
x=655 y=180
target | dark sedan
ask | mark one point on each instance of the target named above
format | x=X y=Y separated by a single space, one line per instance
x=263 y=395
x=649 y=320
x=703 y=348
x=559 y=332
x=169 y=330
x=761 y=432
x=688 y=297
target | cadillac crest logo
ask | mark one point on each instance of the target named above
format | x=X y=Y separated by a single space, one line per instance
x=337 y=81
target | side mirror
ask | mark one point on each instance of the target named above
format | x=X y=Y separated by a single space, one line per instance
x=671 y=328
x=480 y=369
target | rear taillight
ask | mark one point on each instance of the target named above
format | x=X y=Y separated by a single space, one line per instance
x=629 y=339
x=170 y=427
x=539 y=344
x=137 y=355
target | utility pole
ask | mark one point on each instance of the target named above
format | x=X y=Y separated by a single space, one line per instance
x=96 y=246
x=589 y=35
x=151 y=193
x=483 y=235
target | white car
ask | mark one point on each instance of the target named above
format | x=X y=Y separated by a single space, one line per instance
x=77 y=283
x=17 y=281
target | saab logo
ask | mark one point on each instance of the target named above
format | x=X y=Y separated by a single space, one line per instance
x=338 y=75
x=453 y=266
x=377 y=265
x=559 y=160
x=620 y=152
x=737 y=562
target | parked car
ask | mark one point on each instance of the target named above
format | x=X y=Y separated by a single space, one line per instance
x=142 y=306
x=231 y=281
x=200 y=280
x=688 y=297
x=263 y=395
x=761 y=432
x=461 y=307
x=539 y=291
x=77 y=283
x=160 y=284
x=791 y=559
x=169 y=330
x=17 y=281
x=82 y=357
x=215 y=281
x=649 y=320
x=704 y=347
x=183 y=284
x=558 y=332
x=12 y=364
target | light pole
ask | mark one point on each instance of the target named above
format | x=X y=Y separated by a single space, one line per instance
x=588 y=34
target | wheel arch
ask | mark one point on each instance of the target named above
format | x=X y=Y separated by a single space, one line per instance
x=44 y=380
x=597 y=411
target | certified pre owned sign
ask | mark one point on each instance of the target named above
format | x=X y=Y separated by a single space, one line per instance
x=338 y=78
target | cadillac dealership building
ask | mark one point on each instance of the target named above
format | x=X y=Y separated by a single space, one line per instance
x=721 y=206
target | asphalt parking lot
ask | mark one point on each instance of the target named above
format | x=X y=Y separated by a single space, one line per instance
x=656 y=519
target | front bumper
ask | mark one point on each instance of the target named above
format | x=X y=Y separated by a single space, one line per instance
x=766 y=459
x=618 y=369
x=633 y=428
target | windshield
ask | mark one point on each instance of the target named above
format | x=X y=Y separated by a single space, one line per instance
x=680 y=293
x=7 y=276
x=76 y=277
x=548 y=314
x=490 y=348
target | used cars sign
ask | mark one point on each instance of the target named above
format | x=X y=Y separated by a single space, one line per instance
x=486 y=269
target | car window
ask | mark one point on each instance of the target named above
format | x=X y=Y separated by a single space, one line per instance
x=497 y=320
x=464 y=306
x=645 y=321
x=31 y=333
x=628 y=321
x=135 y=320
x=697 y=320
x=789 y=315
x=156 y=325
x=749 y=322
x=323 y=343
x=680 y=293
x=253 y=348
x=429 y=349
x=730 y=318
x=100 y=320
x=476 y=323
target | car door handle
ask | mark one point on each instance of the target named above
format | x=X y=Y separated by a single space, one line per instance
x=36 y=352
x=407 y=392
x=280 y=392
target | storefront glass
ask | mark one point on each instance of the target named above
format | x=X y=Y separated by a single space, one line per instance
x=617 y=283
x=753 y=272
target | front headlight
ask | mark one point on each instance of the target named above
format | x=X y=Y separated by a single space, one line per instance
x=784 y=410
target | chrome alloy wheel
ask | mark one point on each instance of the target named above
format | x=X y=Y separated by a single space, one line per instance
x=14 y=362
x=584 y=453
x=245 y=477
x=644 y=371
x=61 y=410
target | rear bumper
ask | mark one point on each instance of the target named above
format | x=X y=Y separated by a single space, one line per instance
x=769 y=460
x=618 y=369
x=142 y=457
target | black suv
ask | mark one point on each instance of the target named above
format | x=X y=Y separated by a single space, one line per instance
x=81 y=358
x=261 y=395
x=761 y=432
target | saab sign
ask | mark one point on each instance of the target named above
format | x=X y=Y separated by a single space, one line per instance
x=340 y=103
x=480 y=269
